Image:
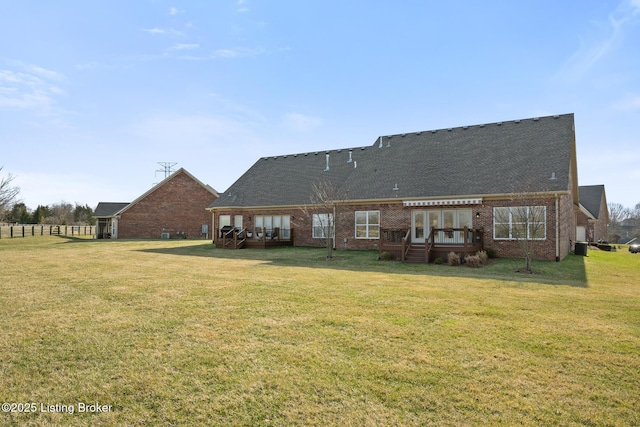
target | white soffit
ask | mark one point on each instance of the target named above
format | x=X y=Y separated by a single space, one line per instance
x=443 y=202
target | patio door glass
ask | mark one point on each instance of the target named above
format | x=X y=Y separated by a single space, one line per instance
x=418 y=222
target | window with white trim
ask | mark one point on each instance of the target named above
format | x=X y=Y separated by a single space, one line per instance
x=520 y=222
x=367 y=224
x=322 y=223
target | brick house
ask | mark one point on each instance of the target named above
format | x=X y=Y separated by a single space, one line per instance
x=593 y=216
x=430 y=192
x=174 y=208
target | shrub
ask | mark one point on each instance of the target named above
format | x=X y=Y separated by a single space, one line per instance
x=473 y=261
x=491 y=253
x=453 y=258
x=483 y=256
x=438 y=261
x=385 y=256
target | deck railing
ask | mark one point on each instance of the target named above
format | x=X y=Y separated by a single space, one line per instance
x=399 y=243
x=234 y=239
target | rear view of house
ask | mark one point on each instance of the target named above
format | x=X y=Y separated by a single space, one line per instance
x=456 y=189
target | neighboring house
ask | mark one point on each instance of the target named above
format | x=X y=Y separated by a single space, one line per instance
x=441 y=189
x=593 y=216
x=174 y=208
x=106 y=219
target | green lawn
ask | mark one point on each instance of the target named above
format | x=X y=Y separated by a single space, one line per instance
x=180 y=333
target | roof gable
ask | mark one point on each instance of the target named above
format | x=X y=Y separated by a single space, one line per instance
x=591 y=198
x=530 y=155
x=156 y=187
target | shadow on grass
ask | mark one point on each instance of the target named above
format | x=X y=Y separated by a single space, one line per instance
x=569 y=272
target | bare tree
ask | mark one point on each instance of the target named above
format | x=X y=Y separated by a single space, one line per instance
x=61 y=213
x=525 y=223
x=8 y=193
x=323 y=209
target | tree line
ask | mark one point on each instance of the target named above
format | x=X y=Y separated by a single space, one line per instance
x=63 y=213
x=624 y=222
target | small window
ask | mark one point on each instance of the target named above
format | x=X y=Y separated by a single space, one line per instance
x=322 y=224
x=367 y=224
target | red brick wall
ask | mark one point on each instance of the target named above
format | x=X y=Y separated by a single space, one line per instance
x=177 y=205
x=396 y=216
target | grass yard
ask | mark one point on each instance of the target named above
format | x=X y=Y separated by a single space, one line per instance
x=180 y=333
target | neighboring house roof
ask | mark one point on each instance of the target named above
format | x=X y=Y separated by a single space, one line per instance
x=591 y=199
x=108 y=209
x=163 y=182
x=520 y=156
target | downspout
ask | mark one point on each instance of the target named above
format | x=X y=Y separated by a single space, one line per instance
x=213 y=227
x=557 y=231
x=334 y=226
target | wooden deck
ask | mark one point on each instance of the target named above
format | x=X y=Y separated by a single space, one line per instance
x=441 y=241
x=239 y=239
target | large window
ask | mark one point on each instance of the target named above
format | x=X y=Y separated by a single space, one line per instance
x=322 y=223
x=367 y=224
x=520 y=222
x=273 y=226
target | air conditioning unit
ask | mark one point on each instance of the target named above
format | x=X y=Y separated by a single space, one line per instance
x=165 y=236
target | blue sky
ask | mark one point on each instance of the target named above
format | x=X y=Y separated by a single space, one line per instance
x=93 y=94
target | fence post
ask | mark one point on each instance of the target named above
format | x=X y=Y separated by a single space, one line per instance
x=23 y=231
x=11 y=228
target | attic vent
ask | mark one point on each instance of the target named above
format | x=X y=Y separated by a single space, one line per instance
x=499 y=123
x=553 y=176
x=395 y=187
x=355 y=164
x=465 y=127
x=350 y=158
x=327 y=167
x=306 y=154
x=433 y=131
x=295 y=155
x=388 y=143
x=380 y=146
x=403 y=135
x=517 y=121
x=535 y=119
x=362 y=148
x=481 y=126
x=556 y=116
x=418 y=133
x=449 y=130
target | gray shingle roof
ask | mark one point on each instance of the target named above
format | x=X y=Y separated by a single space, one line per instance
x=591 y=198
x=497 y=158
x=107 y=209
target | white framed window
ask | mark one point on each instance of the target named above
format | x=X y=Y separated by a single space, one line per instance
x=367 y=224
x=322 y=223
x=280 y=224
x=520 y=222
x=224 y=220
